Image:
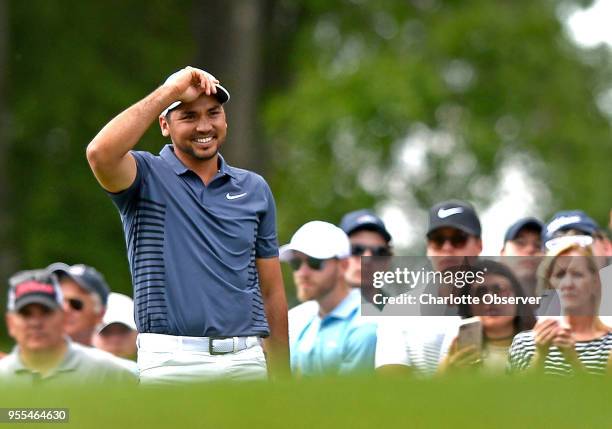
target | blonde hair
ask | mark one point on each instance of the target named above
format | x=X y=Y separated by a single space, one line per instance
x=546 y=267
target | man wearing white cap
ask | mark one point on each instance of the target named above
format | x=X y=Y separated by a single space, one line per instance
x=335 y=340
x=117 y=334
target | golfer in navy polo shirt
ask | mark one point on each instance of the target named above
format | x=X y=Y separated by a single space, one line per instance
x=201 y=239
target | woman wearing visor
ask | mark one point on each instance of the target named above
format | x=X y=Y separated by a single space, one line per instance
x=577 y=342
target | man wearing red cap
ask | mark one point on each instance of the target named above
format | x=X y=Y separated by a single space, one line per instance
x=43 y=354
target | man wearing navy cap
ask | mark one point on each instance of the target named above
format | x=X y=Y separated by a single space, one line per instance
x=368 y=236
x=201 y=239
x=522 y=251
x=416 y=345
x=453 y=234
x=43 y=354
x=85 y=296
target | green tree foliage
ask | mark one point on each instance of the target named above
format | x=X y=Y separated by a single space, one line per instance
x=489 y=79
x=72 y=66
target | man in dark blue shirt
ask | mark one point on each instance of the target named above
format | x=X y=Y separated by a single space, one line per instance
x=201 y=238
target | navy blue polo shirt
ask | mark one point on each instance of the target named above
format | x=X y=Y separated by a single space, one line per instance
x=192 y=248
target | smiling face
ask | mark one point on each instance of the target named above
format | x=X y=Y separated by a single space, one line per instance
x=197 y=129
x=36 y=328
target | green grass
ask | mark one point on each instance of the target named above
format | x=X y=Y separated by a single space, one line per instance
x=335 y=403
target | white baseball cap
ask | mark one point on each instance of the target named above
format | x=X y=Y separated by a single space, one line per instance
x=119 y=309
x=321 y=240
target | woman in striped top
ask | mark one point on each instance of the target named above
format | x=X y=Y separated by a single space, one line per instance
x=578 y=342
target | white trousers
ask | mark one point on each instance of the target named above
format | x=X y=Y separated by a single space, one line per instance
x=169 y=359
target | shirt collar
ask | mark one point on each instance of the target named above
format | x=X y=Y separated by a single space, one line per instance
x=347 y=306
x=69 y=363
x=168 y=155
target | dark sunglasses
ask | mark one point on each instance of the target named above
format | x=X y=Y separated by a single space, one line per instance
x=493 y=289
x=457 y=240
x=76 y=304
x=360 y=249
x=312 y=263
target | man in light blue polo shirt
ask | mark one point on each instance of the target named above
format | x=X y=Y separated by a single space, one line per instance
x=201 y=239
x=335 y=339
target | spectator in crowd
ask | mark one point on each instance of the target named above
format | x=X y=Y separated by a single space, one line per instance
x=577 y=222
x=578 y=342
x=522 y=251
x=85 y=295
x=334 y=340
x=43 y=355
x=577 y=225
x=369 y=238
x=409 y=345
x=117 y=334
x=500 y=322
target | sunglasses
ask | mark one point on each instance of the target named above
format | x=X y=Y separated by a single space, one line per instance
x=360 y=249
x=312 y=263
x=458 y=239
x=76 y=304
x=493 y=289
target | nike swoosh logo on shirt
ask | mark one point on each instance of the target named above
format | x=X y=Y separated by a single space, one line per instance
x=444 y=213
x=233 y=197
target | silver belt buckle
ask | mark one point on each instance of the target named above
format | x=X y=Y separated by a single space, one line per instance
x=211 y=349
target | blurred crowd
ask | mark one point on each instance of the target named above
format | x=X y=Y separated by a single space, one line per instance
x=68 y=326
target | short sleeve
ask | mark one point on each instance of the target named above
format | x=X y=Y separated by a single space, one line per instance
x=123 y=198
x=391 y=347
x=266 y=245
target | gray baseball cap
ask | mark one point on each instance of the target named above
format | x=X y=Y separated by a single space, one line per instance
x=34 y=287
x=85 y=276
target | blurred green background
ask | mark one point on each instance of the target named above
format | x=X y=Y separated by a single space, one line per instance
x=467 y=402
x=391 y=104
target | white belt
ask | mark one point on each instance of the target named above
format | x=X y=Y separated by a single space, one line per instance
x=214 y=346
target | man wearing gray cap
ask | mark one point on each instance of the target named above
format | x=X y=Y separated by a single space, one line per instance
x=85 y=296
x=334 y=340
x=43 y=354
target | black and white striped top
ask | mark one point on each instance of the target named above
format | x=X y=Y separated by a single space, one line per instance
x=593 y=354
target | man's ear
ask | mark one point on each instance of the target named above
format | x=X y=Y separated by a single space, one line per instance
x=165 y=127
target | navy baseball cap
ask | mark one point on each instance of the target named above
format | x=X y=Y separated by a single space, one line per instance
x=85 y=276
x=364 y=220
x=222 y=96
x=34 y=287
x=455 y=214
x=569 y=219
x=528 y=223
